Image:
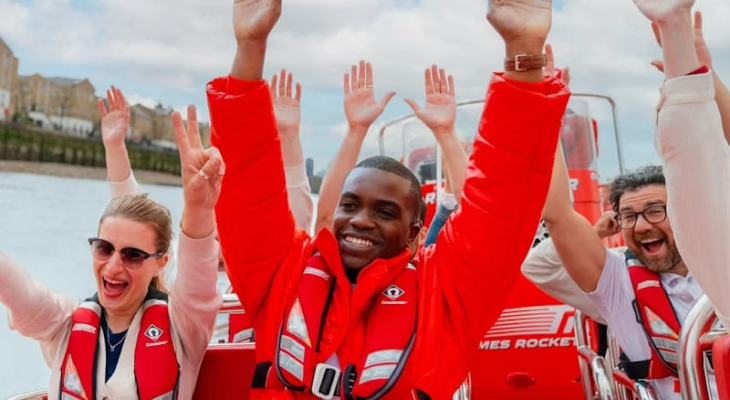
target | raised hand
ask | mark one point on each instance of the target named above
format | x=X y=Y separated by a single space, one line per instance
x=703 y=52
x=286 y=107
x=254 y=19
x=115 y=121
x=439 y=113
x=202 y=170
x=361 y=107
x=660 y=10
x=523 y=24
x=607 y=225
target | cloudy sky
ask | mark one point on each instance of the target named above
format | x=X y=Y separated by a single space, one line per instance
x=166 y=50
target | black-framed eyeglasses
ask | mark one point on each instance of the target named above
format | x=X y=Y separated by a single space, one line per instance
x=131 y=258
x=652 y=214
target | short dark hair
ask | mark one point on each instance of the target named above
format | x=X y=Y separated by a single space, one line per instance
x=391 y=165
x=642 y=177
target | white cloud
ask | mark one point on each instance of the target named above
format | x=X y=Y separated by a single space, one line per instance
x=148 y=102
x=179 y=44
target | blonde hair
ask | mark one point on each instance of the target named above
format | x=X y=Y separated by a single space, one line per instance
x=141 y=209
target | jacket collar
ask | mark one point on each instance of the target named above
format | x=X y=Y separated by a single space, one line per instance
x=375 y=276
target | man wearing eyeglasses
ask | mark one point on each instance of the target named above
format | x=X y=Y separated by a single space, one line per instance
x=646 y=292
x=648 y=281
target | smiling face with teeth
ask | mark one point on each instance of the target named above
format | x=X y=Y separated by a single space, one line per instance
x=377 y=217
x=653 y=244
x=121 y=289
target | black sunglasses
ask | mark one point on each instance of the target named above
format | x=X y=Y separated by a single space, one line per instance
x=131 y=258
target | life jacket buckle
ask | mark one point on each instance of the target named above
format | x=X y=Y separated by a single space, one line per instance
x=326 y=381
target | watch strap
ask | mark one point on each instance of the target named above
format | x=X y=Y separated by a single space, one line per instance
x=525 y=62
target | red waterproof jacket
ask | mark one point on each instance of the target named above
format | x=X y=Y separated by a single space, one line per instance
x=463 y=281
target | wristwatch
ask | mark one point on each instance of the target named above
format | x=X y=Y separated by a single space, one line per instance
x=525 y=62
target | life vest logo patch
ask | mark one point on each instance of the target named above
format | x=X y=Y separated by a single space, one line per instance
x=393 y=292
x=153 y=332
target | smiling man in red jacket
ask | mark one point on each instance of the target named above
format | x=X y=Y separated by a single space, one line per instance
x=346 y=313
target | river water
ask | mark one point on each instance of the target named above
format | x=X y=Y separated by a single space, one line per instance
x=45 y=222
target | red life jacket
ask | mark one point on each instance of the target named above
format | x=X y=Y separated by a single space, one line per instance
x=389 y=335
x=156 y=368
x=655 y=313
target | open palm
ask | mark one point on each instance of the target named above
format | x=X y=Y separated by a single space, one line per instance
x=439 y=112
x=202 y=170
x=287 y=106
x=361 y=107
x=658 y=10
x=254 y=19
x=115 y=120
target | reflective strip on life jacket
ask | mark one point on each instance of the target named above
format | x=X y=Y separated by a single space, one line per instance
x=380 y=365
x=655 y=313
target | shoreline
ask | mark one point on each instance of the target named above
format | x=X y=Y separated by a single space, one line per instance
x=82 y=172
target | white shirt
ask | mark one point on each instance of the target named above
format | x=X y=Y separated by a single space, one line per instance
x=614 y=296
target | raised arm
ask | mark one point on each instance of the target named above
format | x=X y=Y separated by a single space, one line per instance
x=195 y=299
x=288 y=119
x=33 y=309
x=722 y=94
x=583 y=255
x=439 y=115
x=114 y=127
x=480 y=250
x=695 y=155
x=361 y=110
x=581 y=250
x=255 y=225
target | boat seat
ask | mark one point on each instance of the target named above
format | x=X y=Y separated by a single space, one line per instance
x=226 y=372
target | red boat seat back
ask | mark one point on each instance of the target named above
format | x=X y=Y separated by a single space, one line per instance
x=530 y=351
x=721 y=363
x=226 y=372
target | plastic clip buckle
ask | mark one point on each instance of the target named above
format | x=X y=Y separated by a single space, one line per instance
x=326 y=380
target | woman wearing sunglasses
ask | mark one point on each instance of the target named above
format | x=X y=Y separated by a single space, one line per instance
x=132 y=340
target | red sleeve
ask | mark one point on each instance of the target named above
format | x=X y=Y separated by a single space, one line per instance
x=701 y=70
x=481 y=249
x=255 y=225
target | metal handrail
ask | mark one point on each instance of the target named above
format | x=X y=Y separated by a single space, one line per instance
x=231 y=303
x=617 y=130
x=381 y=133
x=692 y=339
x=611 y=102
x=597 y=378
x=601 y=378
x=644 y=390
x=612 y=362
